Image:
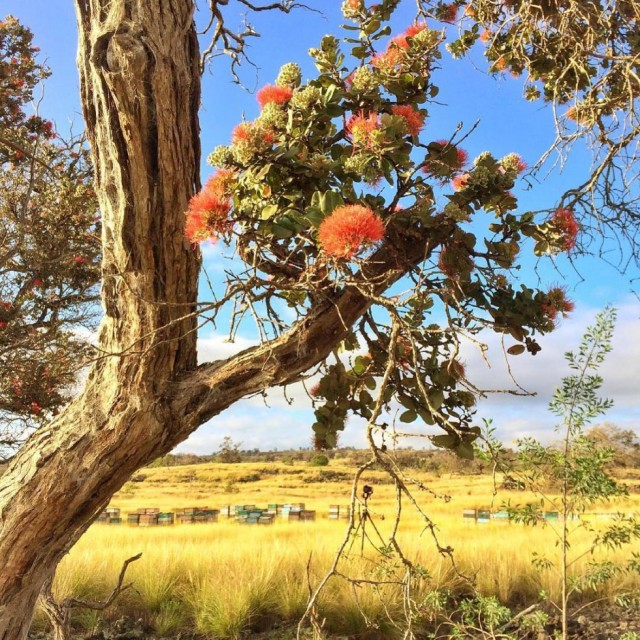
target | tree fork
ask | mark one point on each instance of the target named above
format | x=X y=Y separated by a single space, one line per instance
x=140 y=88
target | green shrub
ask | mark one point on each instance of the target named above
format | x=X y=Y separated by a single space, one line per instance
x=319 y=460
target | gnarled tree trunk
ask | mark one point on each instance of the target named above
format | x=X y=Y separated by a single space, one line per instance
x=138 y=63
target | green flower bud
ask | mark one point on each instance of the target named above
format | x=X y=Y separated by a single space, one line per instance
x=306 y=98
x=320 y=163
x=220 y=157
x=364 y=79
x=290 y=76
x=364 y=166
x=453 y=211
x=273 y=116
x=483 y=158
x=352 y=8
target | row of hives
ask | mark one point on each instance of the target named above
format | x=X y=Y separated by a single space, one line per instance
x=245 y=514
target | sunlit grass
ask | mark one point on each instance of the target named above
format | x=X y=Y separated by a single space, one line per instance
x=225 y=579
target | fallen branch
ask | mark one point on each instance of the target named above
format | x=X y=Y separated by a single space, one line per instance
x=59 y=613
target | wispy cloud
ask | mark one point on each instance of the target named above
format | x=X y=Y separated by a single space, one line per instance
x=284 y=421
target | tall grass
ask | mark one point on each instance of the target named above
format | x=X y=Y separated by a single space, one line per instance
x=223 y=580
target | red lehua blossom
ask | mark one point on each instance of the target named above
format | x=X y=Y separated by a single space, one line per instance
x=565 y=220
x=410 y=32
x=460 y=182
x=219 y=182
x=557 y=302
x=269 y=136
x=240 y=133
x=455 y=368
x=449 y=13
x=462 y=158
x=521 y=165
x=3 y=325
x=37 y=283
x=354 y=4
x=195 y=228
x=315 y=390
x=79 y=259
x=208 y=213
x=360 y=127
x=389 y=60
x=414 y=120
x=271 y=93
x=343 y=233
x=501 y=63
x=485 y=35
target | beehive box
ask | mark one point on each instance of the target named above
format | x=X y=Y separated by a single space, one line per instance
x=165 y=519
x=267 y=518
x=337 y=511
x=148 y=520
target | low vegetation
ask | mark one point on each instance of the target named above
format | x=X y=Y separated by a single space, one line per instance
x=224 y=580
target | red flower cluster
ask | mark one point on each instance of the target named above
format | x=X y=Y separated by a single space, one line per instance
x=343 y=233
x=449 y=13
x=388 y=60
x=521 y=165
x=557 y=302
x=247 y=133
x=410 y=32
x=396 y=51
x=361 y=128
x=240 y=133
x=271 y=93
x=566 y=222
x=460 y=182
x=208 y=213
x=414 y=120
x=462 y=157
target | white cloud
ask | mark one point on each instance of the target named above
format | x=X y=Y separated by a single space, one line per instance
x=218 y=347
x=283 y=424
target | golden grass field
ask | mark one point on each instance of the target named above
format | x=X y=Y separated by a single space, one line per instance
x=224 y=579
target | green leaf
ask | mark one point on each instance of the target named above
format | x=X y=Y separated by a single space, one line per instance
x=436 y=398
x=444 y=441
x=281 y=232
x=464 y=450
x=329 y=201
x=269 y=211
x=408 y=416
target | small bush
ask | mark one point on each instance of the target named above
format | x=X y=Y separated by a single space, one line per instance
x=319 y=460
x=250 y=477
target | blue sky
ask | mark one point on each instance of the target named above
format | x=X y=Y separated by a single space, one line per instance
x=467 y=94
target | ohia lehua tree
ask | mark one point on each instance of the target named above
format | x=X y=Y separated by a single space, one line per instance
x=333 y=179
